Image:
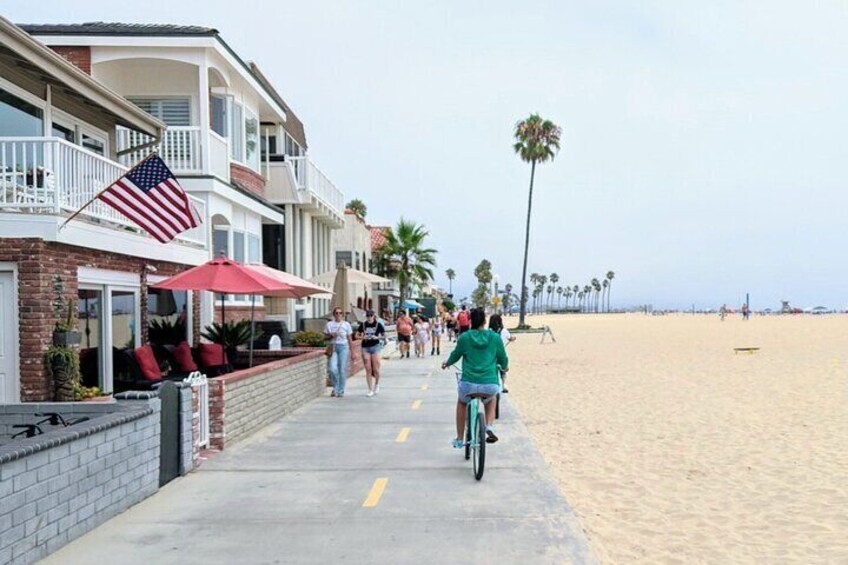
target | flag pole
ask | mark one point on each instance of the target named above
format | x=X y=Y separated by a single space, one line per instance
x=108 y=186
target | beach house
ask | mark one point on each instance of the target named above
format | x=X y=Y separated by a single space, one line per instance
x=231 y=140
x=352 y=246
x=59 y=146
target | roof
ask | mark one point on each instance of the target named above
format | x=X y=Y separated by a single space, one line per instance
x=114 y=28
x=292 y=125
x=378 y=237
x=36 y=57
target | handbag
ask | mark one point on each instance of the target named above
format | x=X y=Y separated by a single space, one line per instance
x=328 y=352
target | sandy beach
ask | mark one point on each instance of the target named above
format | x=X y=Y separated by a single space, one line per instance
x=673 y=449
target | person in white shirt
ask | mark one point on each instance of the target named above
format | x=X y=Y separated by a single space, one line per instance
x=496 y=325
x=340 y=334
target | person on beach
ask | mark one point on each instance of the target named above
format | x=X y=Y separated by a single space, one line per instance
x=450 y=324
x=745 y=312
x=722 y=312
x=463 y=319
x=496 y=325
x=483 y=354
x=404 y=324
x=340 y=334
x=371 y=332
x=438 y=328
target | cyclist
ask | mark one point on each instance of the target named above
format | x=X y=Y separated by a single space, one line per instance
x=483 y=354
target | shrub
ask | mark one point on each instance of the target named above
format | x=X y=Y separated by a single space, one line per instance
x=312 y=339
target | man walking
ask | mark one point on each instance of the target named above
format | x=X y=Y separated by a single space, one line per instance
x=404 y=330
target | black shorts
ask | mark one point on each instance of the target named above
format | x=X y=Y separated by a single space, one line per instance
x=404 y=338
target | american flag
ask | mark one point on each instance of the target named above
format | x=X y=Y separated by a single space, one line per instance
x=151 y=197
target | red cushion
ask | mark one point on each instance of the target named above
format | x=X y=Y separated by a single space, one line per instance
x=182 y=355
x=147 y=363
x=212 y=354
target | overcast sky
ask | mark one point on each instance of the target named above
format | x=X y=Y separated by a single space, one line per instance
x=704 y=144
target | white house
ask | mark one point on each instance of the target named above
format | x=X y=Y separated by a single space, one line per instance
x=231 y=140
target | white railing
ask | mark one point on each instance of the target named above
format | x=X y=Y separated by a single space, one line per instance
x=179 y=147
x=202 y=385
x=310 y=178
x=51 y=175
x=219 y=156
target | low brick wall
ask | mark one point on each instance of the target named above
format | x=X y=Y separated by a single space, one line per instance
x=242 y=402
x=60 y=485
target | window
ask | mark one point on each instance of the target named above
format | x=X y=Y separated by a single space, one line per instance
x=19 y=118
x=237 y=133
x=238 y=246
x=221 y=242
x=93 y=144
x=60 y=131
x=293 y=148
x=220 y=116
x=172 y=111
x=168 y=316
x=253 y=249
x=251 y=139
x=344 y=256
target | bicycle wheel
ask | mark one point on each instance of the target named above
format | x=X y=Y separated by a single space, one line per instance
x=468 y=431
x=480 y=451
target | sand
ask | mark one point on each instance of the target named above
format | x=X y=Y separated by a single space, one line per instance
x=672 y=449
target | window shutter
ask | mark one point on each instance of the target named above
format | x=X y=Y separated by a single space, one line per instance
x=172 y=111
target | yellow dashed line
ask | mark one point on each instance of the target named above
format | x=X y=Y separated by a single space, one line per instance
x=416 y=405
x=376 y=492
x=404 y=433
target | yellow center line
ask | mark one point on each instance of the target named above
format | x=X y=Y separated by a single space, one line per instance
x=416 y=405
x=376 y=492
x=404 y=433
x=425 y=386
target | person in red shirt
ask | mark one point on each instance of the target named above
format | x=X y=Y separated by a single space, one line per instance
x=463 y=320
x=404 y=330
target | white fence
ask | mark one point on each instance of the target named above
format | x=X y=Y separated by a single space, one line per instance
x=51 y=175
x=311 y=178
x=179 y=148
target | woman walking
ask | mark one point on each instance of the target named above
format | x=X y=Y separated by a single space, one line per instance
x=438 y=328
x=372 y=333
x=422 y=336
x=496 y=325
x=340 y=334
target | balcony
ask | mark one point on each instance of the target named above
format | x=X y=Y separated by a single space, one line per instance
x=297 y=180
x=180 y=148
x=47 y=175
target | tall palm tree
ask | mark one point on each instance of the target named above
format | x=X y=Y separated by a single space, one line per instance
x=554 y=278
x=605 y=284
x=587 y=292
x=610 y=276
x=596 y=286
x=559 y=297
x=405 y=245
x=550 y=296
x=358 y=208
x=536 y=141
x=534 y=280
x=451 y=274
x=580 y=299
x=543 y=280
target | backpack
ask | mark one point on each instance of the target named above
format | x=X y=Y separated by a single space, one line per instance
x=463 y=319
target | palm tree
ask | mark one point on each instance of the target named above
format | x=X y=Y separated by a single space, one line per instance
x=358 y=208
x=580 y=298
x=405 y=245
x=451 y=274
x=610 y=276
x=587 y=292
x=550 y=296
x=534 y=280
x=554 y=278
x=596 y=286
x=559 y=298
x=605 y=284
x=536 y=141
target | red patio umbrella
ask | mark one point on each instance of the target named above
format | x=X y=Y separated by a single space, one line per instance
x=226 y=276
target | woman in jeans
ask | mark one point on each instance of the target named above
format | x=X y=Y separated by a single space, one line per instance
x=371 y=332
x=340 y=334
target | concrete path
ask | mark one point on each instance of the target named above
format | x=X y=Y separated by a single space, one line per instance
x=295 y=492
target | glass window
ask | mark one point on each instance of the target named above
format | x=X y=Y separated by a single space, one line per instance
x=238 y=246
x=172 y=111
x=292 y=147
x=93 y=144
x=251 y=139
x=167 y=316
x=344 y=256
x=218 y=121
x=123 y=319
x=253 y=249
x=60 y=131
x=220 y=243
x=237 y=133
x=19 y=118
x=89 y=309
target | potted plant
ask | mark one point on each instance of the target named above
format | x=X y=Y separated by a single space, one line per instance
x=63 y=365
x=231 y=335
x=309 y=339
x=64 y=332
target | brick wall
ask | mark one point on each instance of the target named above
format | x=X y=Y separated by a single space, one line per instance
x=242 y=402
x=247 y=179
x=238 y=313
x=78 y=55
x=39 y=262
x=71 y=483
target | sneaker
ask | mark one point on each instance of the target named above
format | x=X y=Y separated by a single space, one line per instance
x=505 y=390
x=332 y=393
x=341 y=394
x=376 y=389
x=458 y=443
x=369 y=393
x=490 y=435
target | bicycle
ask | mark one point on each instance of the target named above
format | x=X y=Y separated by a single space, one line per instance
x=475 y=431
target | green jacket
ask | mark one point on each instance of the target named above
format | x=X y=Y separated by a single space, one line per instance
x=482 y=352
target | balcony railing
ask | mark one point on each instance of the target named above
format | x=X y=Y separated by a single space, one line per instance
x=312 y=180
x=47 y=175
x=179 y=147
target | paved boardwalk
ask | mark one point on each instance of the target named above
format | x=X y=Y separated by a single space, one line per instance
x=294 y=492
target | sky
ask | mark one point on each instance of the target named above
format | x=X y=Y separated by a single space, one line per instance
x=703 y=154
